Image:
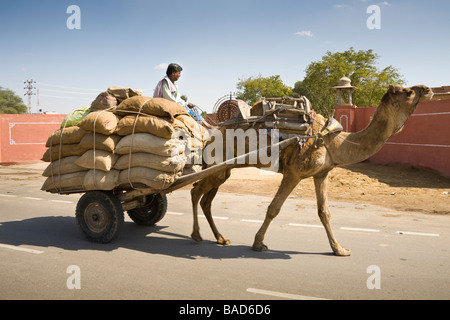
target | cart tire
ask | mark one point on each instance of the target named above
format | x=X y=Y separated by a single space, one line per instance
x=153 y=211
x=99 y=216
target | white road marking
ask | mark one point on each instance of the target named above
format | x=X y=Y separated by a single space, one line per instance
x=243 y=220
x=175 y=213
x=249 y=220
x=360 y=229
x=7 y=246
x=418 y=234
x=218 y=218
x=282 y=294
x=31 y=198
x=61 y=201
x=305 y=225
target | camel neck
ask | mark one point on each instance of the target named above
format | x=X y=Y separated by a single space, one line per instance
x=347 y=148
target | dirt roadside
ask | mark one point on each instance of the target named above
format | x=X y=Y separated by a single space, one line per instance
x=398 y=187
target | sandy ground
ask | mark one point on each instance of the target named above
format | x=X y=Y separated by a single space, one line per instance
x=398 y=187
x=402 y=188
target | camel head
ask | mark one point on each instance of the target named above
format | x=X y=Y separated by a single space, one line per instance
x=402 y=102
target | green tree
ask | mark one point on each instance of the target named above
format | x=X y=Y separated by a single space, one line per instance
x=359 y=66
x=253 y=89
x=10 y=102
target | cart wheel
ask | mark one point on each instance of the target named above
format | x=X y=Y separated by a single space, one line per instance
x=153 y=211
x=99 y=216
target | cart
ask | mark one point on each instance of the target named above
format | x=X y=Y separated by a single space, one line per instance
x=100 y=214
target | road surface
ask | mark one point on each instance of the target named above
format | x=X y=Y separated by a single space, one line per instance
x=395 y=255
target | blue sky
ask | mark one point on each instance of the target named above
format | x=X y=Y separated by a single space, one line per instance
x=129 y=43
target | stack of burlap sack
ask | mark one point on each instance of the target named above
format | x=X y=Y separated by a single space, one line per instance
x=122 y=141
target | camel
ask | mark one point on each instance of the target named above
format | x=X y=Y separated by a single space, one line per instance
x=316 y=159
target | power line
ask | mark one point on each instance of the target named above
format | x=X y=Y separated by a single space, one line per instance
x=71 y=95
x=63 y=97
x=63 y=91
x=65 y=87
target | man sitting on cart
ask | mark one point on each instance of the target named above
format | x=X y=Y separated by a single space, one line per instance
x=167 y=88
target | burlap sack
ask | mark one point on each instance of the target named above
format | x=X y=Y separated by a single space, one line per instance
x=104 y=122
x=69 y=135
x=158 y=107
x=71 y=180
x=195 y=133
x=151 y=178
x=193 y=156
x=63 y=166
x=189 y=169
x=189 y=123
x=191 y=142
x=102 y=142
x=195 y=127
x=98 y=159
x=145 y=142
x=152 y=161
x=75 y=117
x=62 y=151
x=100 y=180
x=145 y=124
x=104 y=101
x=121 y=93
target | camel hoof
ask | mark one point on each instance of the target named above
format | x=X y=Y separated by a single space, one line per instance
x=342 y=252
x=196 y=236
x=259 y=246
x=223 y=241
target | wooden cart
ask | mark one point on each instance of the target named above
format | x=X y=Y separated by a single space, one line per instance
x=100 y=214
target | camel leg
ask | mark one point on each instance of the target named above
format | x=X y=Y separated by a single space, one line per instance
x=206 y=190
x=287 y=185
x=321 y=185
x=206 y=207
x=196 y=194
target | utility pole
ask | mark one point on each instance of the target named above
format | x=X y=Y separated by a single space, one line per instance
x=29 y=86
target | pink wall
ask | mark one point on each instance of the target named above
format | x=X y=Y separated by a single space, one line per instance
x=23 y=136
x=424 y=141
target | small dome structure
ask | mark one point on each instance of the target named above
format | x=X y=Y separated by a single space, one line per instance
x=344 y=86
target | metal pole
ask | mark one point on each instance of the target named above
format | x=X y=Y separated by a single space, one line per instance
x=30 y=88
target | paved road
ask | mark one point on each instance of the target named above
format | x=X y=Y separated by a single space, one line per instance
x=395 y=255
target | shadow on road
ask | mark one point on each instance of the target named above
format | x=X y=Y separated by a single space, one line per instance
x=62 y=232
